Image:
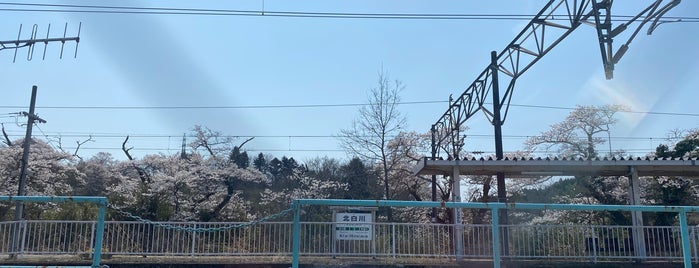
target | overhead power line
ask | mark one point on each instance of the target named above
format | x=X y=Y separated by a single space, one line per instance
x=162 y=136
x=222 y=106
x=293 y=106
x=110 y=9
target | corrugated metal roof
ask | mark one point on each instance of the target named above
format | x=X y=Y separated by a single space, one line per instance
x=527 y=167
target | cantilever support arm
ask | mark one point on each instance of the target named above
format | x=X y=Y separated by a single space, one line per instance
x=605 y=33
x=540 y=35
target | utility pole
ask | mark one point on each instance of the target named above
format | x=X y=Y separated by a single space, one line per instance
x=19 y=209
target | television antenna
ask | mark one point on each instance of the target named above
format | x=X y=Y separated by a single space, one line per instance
x=33 y=40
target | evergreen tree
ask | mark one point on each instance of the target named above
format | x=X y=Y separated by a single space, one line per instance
x=239 y=158
x=274 y=167
x=362 y=182
x=260 y=163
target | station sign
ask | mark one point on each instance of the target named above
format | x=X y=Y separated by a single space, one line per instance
x=353 y=226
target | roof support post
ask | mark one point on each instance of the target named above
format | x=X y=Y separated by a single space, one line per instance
x=458 y=219
x=499 y=153
x=639 y=241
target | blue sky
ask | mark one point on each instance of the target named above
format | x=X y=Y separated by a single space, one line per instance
x=261 y=61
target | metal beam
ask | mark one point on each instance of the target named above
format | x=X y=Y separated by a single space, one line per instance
x=539 y=36
x=528 y=167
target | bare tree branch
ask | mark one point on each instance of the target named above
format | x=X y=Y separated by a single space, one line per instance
x=246 y=141
x=126 y=151
x=79 y=143
x=7 y=138
x=142 y=174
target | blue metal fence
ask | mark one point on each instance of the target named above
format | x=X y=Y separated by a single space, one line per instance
x=18 y=227
x=565 y=242
x=496 y=228
x=414 y=241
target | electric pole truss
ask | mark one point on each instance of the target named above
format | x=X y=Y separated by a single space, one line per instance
x=32 y=40
x=549 y=27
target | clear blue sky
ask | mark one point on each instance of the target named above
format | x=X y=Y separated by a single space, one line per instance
x=261 y=61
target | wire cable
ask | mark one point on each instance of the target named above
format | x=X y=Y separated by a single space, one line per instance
x=162 y=136
x=108 y=9
x=221 y=107
x=314 y=106
x=48 y=139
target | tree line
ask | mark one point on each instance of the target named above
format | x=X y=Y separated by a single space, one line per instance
x=217 y=180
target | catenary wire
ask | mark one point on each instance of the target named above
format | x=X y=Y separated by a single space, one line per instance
x=219 y=107
x=157 y=136
x=311 y=106
x=108 y=9
x=312 y=14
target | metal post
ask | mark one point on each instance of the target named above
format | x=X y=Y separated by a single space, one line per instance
x=92 y=238
x=496 y=237
x=373 y=234
x=100 y=233
x=296 y=235
x=636 y=216
x=393 y=239
x=434 y=177
x=334 y=233
x=23 y=239
x=693 y=237
x=194 y=239
x=458 y=219
x=594 y=243
x=499 y=153
x=686 y=250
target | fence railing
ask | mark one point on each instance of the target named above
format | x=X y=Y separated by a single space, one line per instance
x=390 y=240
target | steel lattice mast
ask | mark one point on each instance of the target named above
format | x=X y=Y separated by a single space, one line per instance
x=496 y=83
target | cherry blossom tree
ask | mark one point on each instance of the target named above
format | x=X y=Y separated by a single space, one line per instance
x=668 y=190
x=50 y=172
x=579 y=133
x=577 y=136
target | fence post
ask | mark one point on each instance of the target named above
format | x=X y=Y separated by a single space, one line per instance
x=373 y=238
x=333 y=233
x=99 y=235
x=593 y=235
x=23 y=234
x=693 y=236
x=194 y=238
x=297 y=234
x=686 y=250
x=393 y=239
x=92 y=239
x=496 y=237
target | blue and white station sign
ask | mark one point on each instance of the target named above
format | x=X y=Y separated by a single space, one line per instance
x=353 y=226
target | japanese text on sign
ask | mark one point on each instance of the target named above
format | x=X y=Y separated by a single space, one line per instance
x=353 y=226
